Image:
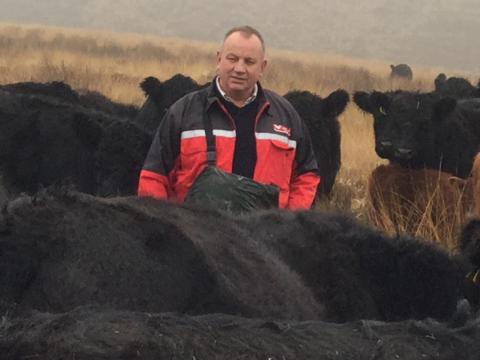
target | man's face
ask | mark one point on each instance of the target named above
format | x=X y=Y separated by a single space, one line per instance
x=240 y=64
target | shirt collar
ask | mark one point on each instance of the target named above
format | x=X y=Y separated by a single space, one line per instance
x=229 y=99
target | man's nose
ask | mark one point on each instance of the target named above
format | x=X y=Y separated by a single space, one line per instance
x=239 y=66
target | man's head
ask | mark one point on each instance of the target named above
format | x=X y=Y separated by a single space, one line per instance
x=241 y=62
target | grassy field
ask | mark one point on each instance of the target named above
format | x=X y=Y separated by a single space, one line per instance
x=114 y=64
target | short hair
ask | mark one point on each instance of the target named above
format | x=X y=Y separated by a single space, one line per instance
x=247 y=30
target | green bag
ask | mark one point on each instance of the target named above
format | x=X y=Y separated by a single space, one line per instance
x=231 y=192
x=217 y=189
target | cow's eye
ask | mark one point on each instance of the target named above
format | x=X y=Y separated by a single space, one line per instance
x=382 y=110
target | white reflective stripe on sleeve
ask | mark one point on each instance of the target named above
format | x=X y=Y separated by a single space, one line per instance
x=192 y=133
x=225 y=133
x=281 y=138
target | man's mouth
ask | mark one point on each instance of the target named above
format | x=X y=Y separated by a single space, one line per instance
x=237 y=79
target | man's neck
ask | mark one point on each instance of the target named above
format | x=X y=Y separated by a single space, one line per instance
x=238 y=99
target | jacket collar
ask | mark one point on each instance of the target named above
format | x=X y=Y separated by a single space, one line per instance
x=214 y=93
x=229 y=99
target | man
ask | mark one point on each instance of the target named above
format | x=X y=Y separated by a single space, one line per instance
x=258 y=134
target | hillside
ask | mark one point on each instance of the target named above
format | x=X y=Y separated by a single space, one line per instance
x=431 y=32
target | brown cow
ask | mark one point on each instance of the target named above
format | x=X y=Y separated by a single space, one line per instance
x=410 y=200
x=476 y=185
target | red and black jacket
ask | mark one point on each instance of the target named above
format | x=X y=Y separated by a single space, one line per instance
x=177 y=155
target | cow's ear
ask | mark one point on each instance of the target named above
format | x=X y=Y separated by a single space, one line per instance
x=443 y=107
x=440 y=80
x=380 y=101
x=152 y=87
x=335 y=103
x=362 y=99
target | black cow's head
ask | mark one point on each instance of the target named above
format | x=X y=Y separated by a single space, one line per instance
x=402 y=121
x=160 y=96
x=314 y=110
x=455 y=87
x=457 y=134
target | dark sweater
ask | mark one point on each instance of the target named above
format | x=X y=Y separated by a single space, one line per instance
x=245 y=156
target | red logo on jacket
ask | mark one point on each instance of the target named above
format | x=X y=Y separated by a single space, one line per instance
x=282 y=129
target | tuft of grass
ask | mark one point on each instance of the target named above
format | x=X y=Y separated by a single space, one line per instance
x=431 y=210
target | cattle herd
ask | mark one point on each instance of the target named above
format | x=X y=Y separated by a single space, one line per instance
x=88 y=270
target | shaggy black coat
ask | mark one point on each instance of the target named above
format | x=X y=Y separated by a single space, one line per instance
x=68 y=249
x=63 y=92
x=455 y=87
x=91 y=332
x=62 y=251
x=470 y=248
x=360 y=273
x=470 y=241
x=46 y=140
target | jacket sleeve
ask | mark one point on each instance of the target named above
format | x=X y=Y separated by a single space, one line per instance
x=155 y=177
x=305 y=177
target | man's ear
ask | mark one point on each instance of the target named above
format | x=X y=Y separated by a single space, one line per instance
x=219 y=57
x=264 y=65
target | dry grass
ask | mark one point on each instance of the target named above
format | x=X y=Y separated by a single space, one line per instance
x=433 y=207
x=114 y=64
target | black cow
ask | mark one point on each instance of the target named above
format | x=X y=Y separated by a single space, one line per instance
x=67 y=249
x=470 y=243
x=456 y=87
x=424 y=130
x=62 y=250
x=94 y=332
x=470 y=248
x=47 y=137
x=358 y=272
x=63 y=92
x=41 y=142
x=401 y=71
x=160 y=95
x=320 y=116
